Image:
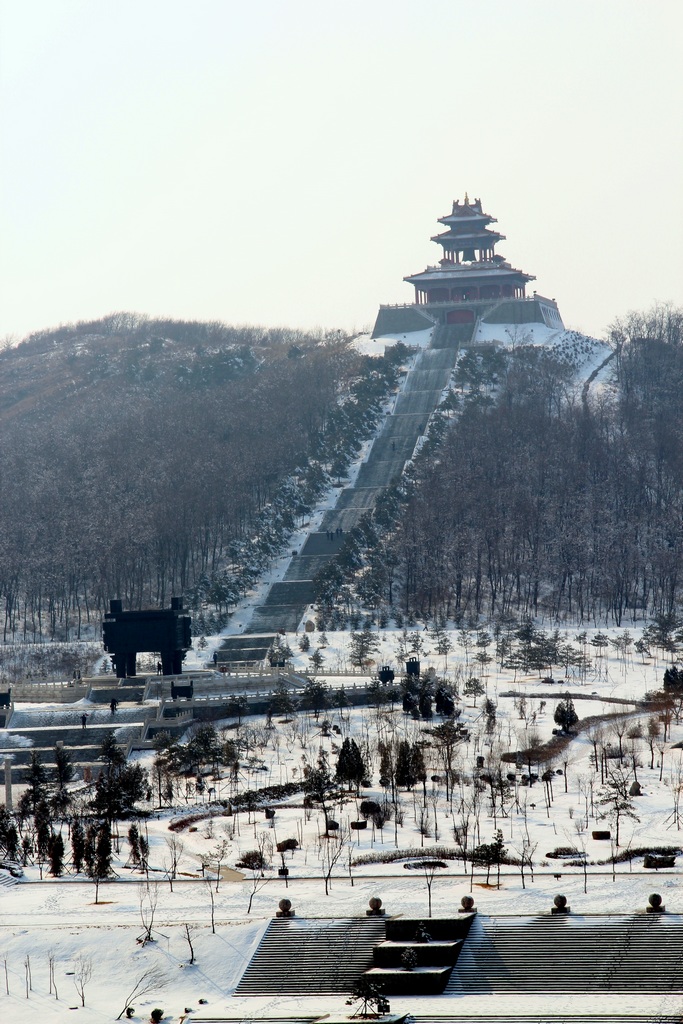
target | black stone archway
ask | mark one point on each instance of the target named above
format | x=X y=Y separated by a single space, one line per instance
x=167 y=630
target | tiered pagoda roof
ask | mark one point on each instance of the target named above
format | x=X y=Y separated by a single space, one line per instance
x=467 y=232
x=470 y=269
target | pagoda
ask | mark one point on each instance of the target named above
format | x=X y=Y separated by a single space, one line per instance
x=471 y=281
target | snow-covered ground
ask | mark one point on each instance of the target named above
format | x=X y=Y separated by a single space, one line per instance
x=60 y=916
x=369 y=346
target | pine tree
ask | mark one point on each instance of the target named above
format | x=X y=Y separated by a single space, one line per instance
x=318 y=782
x=56 y=854
x=77 y=846
x=64 y=769
x=134 y=843
x=351 y=767
x=361 y=646
x=37 y=781
x=315 y=697
x=565 y=714
x=418 y=766
x=43 y=827
x=405 y=770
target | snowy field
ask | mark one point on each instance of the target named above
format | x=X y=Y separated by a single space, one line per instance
x=60 y=919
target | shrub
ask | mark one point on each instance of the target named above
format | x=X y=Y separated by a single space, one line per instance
x=409 y=959
x=563 y=851
x=391 y=856
x=253 y=860
x=369 y=808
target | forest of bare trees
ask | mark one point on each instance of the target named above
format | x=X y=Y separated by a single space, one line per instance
x=145 y=458
x=539 y=496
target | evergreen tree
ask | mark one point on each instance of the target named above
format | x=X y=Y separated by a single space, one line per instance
x=37 y=784
x=12 y=842
x=98 y=854
x=64 y=769
x=119 y=787
x=474 y=688
x=43 y=827
x=444 y=702
x=409 y=702
x=77 y=845
x=340 y=699
x=405 y=767
x=565 y=714
x=351 y=767
x=418 y=766
x=387 y=776
x=361 y=646
x=134 y=843
x=318 y=782
x=103 y=852
x=315 y=697
x=56 y=854
x=317 y=659
x=425 y=704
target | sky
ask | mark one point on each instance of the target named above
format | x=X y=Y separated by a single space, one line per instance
x=284 y=162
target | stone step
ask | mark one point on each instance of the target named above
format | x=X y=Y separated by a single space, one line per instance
x=639 y=953
x=329 y=956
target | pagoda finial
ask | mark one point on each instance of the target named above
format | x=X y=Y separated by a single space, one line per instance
x=467 y=199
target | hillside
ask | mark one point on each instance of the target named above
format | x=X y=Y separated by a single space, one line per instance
x=551 y=484
x=143 y=458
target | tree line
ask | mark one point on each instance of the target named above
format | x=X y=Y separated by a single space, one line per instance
x=177 y=461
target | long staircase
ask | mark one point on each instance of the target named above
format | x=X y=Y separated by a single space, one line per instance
x=286 y=602
x=311 y=956
x=610 y=953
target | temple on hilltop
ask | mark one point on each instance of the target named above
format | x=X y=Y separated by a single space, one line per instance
x=470 y=283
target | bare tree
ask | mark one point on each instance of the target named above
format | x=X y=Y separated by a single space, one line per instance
x=258 y=882
x=212 y=900
x=653 y=733
x=149 y=979
x=51 y=970
x=428 y=869
x=148 y=897
x=82 y=974
x=331 y=849
x=176 y=848
x=188 y=936
x=616 y=799
x=216 y=856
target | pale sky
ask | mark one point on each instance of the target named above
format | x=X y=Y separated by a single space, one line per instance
x=285 y=161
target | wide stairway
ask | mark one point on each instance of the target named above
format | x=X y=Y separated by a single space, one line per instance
x=311 y=956
x=41 y=729
x=610 y=953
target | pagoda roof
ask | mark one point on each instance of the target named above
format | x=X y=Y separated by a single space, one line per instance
x=467 y=272
x=484 y=233
x=469 y=211
x=467 y=217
